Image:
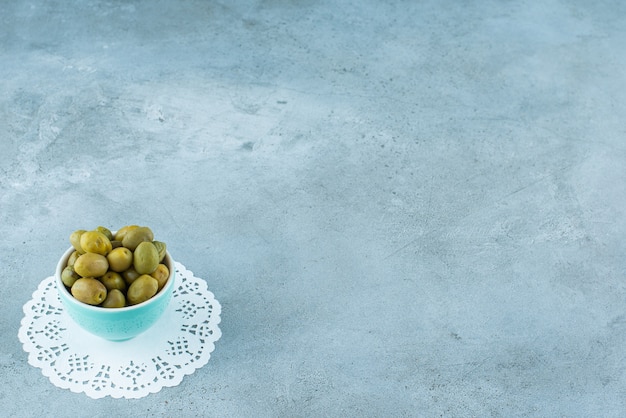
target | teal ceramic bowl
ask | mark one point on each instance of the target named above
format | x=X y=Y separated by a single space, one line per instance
x=116 y=324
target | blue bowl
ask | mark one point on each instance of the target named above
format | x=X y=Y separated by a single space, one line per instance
x=116 y=324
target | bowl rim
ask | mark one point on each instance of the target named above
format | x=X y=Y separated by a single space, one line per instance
x=163 y=293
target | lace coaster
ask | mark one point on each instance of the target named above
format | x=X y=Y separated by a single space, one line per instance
x=179 y=343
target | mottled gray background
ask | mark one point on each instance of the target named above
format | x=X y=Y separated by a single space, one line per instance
x=406 y=208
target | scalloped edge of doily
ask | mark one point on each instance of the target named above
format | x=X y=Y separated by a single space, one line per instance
x=94 y=394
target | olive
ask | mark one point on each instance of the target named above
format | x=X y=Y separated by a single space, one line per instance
x=69 y=276
x=106 y=231
x=91 y=265
x=75 y=240
x=136 y=236
x=142 y=289
x=145 y=258
x=161 y=247
x=130 y=276
x=162 y=273
x=72 y=259
x=119 y=235
x=95 y=242
x=116 y=244
x=113 y=280
x=115 y=299
x=89 y=290
x=120 y=259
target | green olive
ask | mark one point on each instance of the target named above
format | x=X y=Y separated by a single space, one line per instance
x=136 y=236
x=69 y=276
x=161 y=247
x=115 y=299
x=89 y=290
x=119 y=235
x=106 y=231
x=162 y=273
x=115 y=244
x=95 y=242
x=91 y=265
x=142 y=289
x=120 y=259
x=145 y=258
x=72 y=259
x=75 y=240
x=113 y=280
x=130 y=276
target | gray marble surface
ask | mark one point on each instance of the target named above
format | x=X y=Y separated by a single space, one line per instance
x=405 y=208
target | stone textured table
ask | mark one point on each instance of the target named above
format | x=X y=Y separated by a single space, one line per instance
x=405 y=208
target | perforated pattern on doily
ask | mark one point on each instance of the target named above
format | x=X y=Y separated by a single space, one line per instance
x=177 y=345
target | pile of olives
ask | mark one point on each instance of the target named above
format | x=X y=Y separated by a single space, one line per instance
x=115 y=270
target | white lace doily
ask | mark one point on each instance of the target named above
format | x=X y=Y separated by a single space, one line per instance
x=179 y=343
